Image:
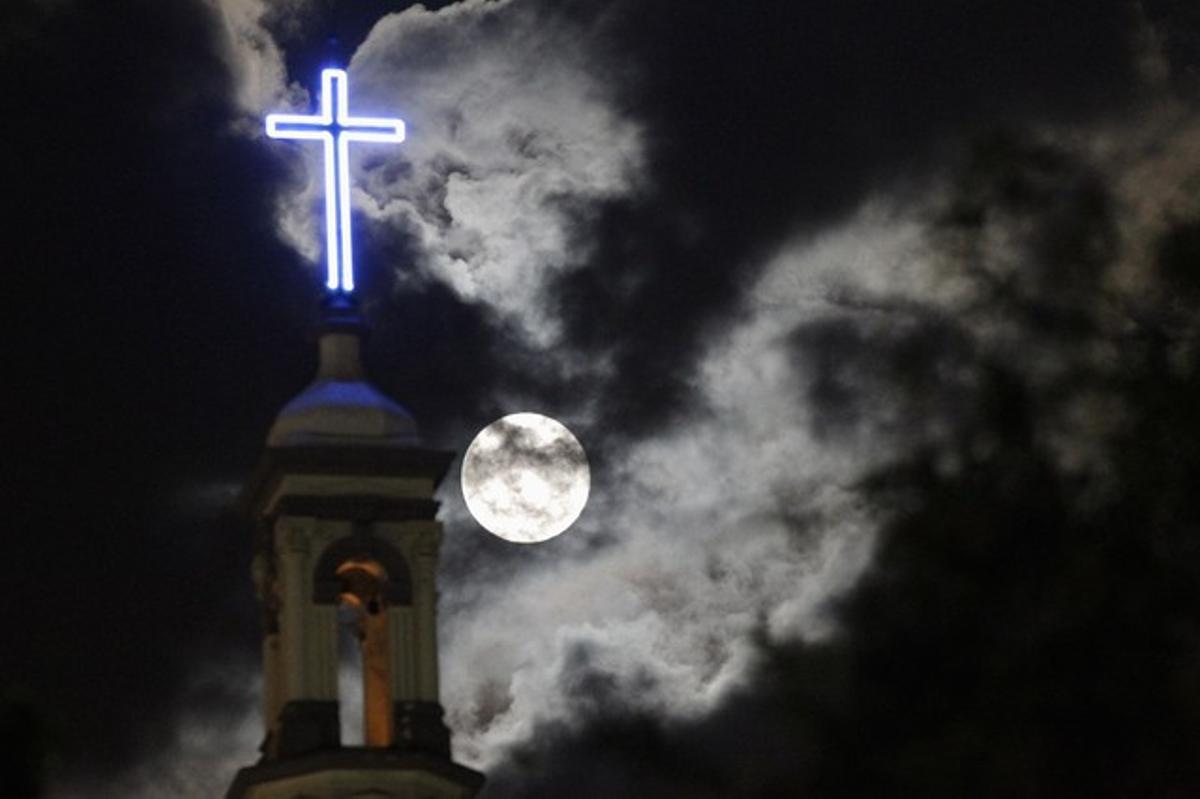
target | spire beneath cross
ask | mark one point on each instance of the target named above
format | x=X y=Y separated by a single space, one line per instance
x=335 y=128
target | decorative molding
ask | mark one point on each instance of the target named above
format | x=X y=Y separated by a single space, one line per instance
x=298 y=539
x=346 y=461
x=357 y=507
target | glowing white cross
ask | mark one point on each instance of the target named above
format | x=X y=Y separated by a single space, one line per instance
x=336 y=132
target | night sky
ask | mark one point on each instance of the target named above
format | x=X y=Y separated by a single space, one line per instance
x=879 y=323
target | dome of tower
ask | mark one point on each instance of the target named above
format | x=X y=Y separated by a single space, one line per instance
x=343 y=412
x=340 y=407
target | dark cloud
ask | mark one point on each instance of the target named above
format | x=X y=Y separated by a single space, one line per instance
x=785 y=117
x=1026 y=627
x=1176 y=25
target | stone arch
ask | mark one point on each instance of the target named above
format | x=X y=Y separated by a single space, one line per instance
x=366 y=576
x=328 y=583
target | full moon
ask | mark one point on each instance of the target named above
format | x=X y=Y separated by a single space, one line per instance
x=525 y=478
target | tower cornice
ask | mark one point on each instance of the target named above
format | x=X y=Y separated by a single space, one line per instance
x=277 y=463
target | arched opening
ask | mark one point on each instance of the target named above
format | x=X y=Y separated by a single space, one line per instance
x=363 y=639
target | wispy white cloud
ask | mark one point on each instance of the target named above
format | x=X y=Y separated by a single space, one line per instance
x=254 y=57
x=733 y=523
x=511 y=132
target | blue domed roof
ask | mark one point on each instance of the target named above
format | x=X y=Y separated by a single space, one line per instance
x=341 y=408
x=343 y=412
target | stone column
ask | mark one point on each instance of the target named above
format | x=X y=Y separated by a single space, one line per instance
x=425 y=607
x=293 y=565
x=404 y=651
x=308 y=718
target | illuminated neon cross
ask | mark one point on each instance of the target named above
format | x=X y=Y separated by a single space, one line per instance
x=336 y=132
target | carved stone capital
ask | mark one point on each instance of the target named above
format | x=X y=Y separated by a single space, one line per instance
x=297 y=539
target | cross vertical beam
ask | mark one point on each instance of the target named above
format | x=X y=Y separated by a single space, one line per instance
x=333 y=126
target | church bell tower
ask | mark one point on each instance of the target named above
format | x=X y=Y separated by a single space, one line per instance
x=342 y=505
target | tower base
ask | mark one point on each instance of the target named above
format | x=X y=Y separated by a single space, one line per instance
x=356 y=772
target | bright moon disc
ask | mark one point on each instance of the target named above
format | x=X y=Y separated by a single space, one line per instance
x=525 y=478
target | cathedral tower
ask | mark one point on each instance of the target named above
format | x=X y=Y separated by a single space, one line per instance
x=343 y=509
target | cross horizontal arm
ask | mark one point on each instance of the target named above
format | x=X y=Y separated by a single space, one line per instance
x=297 y=126
x=369 y=129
